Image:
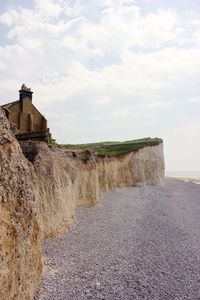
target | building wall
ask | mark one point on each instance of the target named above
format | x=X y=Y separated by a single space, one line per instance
x=26 y=117
x=39 y=121
x=13 y=116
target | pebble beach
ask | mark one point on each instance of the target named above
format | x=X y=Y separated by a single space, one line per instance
x=136 y=243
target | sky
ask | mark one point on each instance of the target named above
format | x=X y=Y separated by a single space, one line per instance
x=108 y=70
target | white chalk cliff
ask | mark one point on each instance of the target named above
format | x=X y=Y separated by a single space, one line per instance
x=40 y=188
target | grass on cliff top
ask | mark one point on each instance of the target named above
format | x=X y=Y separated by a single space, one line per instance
x=115 y=148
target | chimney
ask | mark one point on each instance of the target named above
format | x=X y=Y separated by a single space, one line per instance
x=25 y=92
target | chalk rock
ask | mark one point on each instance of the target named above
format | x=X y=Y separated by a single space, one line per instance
x=20 y=255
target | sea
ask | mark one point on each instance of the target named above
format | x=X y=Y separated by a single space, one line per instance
x=193 y=176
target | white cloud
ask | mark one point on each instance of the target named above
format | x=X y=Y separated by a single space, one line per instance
x=194 y=99
x=48 y=8
x=121 y=114
x=103 y=61
x=102 y=100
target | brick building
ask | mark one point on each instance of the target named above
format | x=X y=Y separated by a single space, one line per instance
x=28 y=122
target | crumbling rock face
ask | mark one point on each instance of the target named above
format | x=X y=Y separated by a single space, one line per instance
x=114 y=172
x=6 y=134
x=143 y=167
x=61 y=182
x=20 y=254
x=87 y=184
x=30 y=150
x=147 y=166
x=53 y=178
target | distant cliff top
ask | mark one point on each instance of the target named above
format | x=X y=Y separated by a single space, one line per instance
x=111 y=148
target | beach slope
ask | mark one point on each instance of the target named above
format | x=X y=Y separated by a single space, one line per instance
x=137 y=243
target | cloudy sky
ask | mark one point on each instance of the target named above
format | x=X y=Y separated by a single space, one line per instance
x=108 y=69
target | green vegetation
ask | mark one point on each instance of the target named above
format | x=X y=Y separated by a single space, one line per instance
x=115 y=148
x=53 y=142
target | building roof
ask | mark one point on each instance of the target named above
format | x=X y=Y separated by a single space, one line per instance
x=8 y=105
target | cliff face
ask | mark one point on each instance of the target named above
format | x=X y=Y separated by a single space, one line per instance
x=40 y=188
x=53 y=177
x=20 y=253
x=63 y=181
x=143 y=167
x=147 y=166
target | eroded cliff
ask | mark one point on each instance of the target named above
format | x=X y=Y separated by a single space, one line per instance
x=143 y=167
x=20 y=253
x=65 y=180
x=41 y=186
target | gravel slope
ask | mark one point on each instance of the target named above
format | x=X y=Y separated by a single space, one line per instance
x=137 y=243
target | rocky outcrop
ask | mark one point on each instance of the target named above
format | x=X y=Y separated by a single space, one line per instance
x=40 y=188
x=20 y=254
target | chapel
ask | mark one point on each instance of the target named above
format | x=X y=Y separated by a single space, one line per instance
x=27 y=122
